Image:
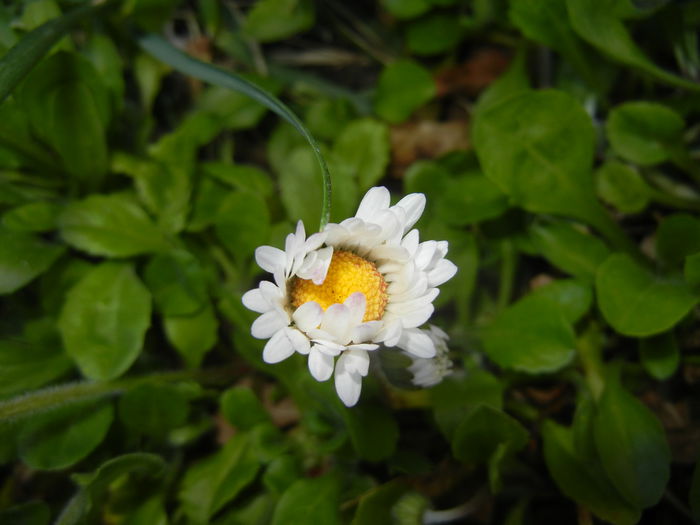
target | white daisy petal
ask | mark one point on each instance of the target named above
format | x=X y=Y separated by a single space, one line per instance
x=417 y=342
x=335 y=321
x=356 y=361
x=413 y=205
x=268 y=324
x=253 y=300
x=443 y=272
x=348 y=386
x=270 y=259
x=320 y=364
x=356 y=303
x=329 y=347
x=299 y=341
x=308 y=316
x=366 y=331
x=278 y=348
x=375 y=200
x=364 y=346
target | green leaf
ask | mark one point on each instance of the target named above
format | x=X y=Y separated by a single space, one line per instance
x=164 y=188
x=691 y=270
x=373 y=432
x=104 y=320
x=459 y=198
x=376 y=507
x=240 y=177
x=678 y=237
x=23 y=257
x=433 y=34
x=178 y=283
x=406 y=8
x=569 y=249
x=241 y=407
x=153 y=409
x=271 y=20
x=208 y=485
x=578 y=481
x=361 y=152
x=242 y=224
x=94 y=488
x=59 y=439
x=403 y=87
x=32 y=217
x=632 y=446
x=547 y=22
x=622 y=187
x=193 y=335
x=234 y=110
x=27 y=364
x=533 y=336
x=482 y=431
x=30 y=513
x=20 y=60
x=659 y=355
x=454 y=397
x=309 y=501
x=281 y=473
x=644 y=132
x=162 y=50
x=635 y=302
x=69 y=106
x=110 y=225
x=573 y=297
x=598 y=23
x=300 y=187
x=538 y=147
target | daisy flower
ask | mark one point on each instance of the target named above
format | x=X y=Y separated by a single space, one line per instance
x=343 y=292
x=430 y=372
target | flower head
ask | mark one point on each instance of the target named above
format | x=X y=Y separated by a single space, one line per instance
x=345 y=291
x=430 y=372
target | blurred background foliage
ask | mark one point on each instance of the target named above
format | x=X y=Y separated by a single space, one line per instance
x=557 y=143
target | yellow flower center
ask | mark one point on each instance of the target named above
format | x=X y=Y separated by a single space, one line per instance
x=348 y=273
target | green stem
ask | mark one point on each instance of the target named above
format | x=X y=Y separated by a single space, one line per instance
x=60 y=395
x=182 y=62
x=589 y=351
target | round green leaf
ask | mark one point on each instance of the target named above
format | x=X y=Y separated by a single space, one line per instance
x=532 y=336
x=482 y=431
x=241 y=407
x=22 y=258
x=104 y=320
x=30 y=513
x=309 y=501
x=271 y=20
x=214 y=481
x=570 y=249
x=621 y=186
x=373 y=431
x=659 y=355
x=642 y=132
x=59 y=439
x=576 y=478
x=38 y=216
x=632 y=447
x=538 y=147
x=573 y=297
x=406 y=8
x=403 y=87
x=178 y=283
x=193 y=335
x=635 y=302
x=243 y=223
x=434 y=34
x=678 y=236
x=361 y=151
x=110 y=225
x=153 y=409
